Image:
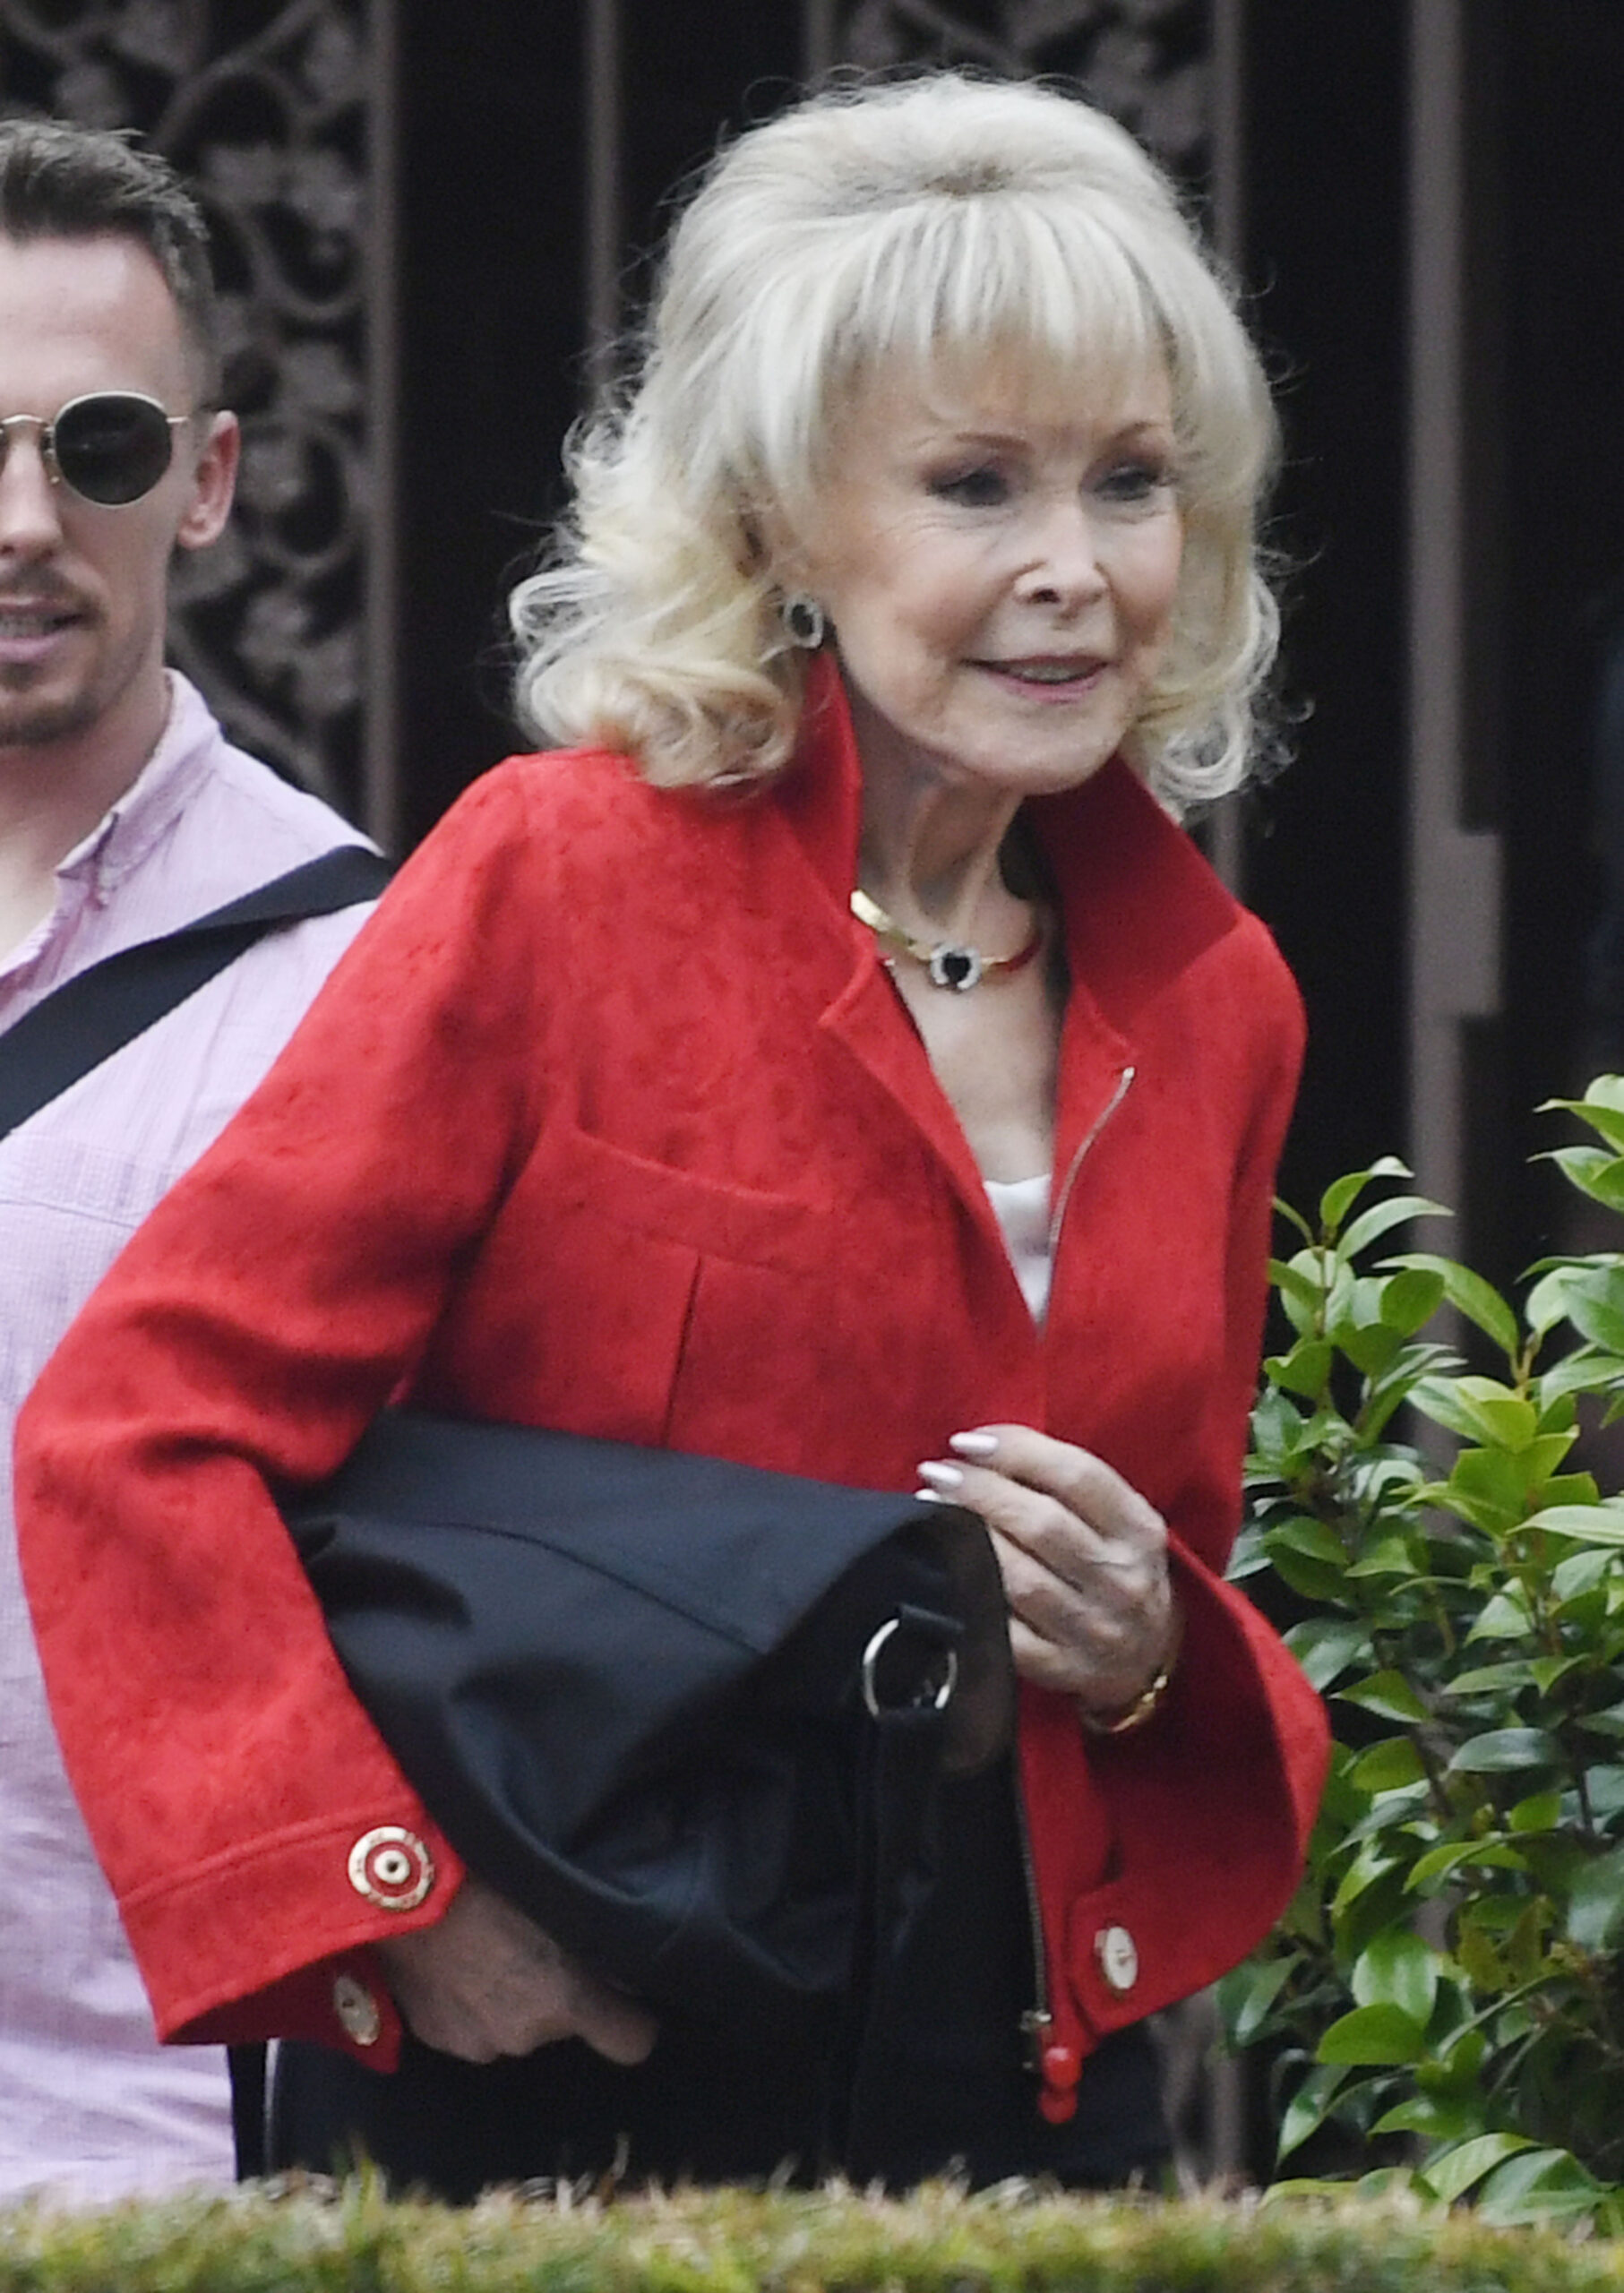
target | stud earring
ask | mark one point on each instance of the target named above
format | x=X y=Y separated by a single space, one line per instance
x=802 y=617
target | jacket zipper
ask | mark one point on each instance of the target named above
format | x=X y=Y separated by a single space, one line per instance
x=1037 y=2020
x=1062 y=1199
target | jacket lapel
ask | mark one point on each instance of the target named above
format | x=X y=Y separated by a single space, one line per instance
x=1139 y=904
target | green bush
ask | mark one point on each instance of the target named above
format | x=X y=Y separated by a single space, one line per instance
x=1450 y=1974
x=836 y=2241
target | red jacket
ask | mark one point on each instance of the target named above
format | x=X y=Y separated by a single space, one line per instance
x=612 y=1120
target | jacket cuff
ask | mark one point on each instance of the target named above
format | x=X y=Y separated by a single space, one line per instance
x=1208 y=1809
x=274 y=1942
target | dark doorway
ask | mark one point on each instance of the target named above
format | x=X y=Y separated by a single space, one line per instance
x=493 y=133
x=1558 y=81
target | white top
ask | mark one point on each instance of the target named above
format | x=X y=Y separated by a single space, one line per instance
x=1022 y=1210
x=91 y=2106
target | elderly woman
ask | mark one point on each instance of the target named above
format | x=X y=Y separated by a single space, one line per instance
x=837 y=1058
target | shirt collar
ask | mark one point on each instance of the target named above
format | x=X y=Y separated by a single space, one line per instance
x=136 y=821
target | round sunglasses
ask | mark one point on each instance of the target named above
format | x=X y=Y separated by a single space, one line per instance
x=109 y=447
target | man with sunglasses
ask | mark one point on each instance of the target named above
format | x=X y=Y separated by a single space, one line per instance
x=124 y=814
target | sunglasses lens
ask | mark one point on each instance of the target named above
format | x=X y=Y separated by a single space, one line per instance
x=111 y=447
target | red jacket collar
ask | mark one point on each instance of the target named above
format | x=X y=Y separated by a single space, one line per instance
x=1140 y=902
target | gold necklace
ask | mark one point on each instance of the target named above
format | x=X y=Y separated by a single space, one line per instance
x=947 y=964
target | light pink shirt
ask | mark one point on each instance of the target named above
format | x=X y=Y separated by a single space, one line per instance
x=91 y=2106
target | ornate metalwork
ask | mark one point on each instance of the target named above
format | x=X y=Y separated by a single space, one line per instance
x=266 y=105
x=1145 y=61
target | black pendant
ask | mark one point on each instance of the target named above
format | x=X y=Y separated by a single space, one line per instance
x=958 y=968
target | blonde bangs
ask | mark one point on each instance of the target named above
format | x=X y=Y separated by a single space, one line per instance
x=968 y=237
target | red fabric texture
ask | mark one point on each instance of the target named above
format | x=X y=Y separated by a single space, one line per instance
x=612 y=1120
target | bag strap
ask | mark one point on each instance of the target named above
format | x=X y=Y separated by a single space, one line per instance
x=89 y=1017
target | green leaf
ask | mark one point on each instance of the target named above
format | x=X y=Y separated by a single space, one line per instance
x=1595 y=1904
x=1307 y=2110
x=1487 y=1488
x=1369 y=1346
x=1373 y=1863
x=1438 y=1863
x=1541 y=2186
x=1505 y=1617
x=1383 y=2033
x=1583 y=1373
x=1452 y=2173
x=1439 y=2117
x=1246 y=1995
x=1440 y=1398
x=1601 y=1107
x=1541 y=1812
x=1506 y=1419
x=1600 y=1525
x=1387 y=1557
x=1387 y=1693
x=1484 y=1679
x=1410 y=1299
x=1305 y=1368
x=1543 y=1457
x=1546 y=1303
x=1589 y=1292
x=1343 y=1193
x=1381 y=1217
x=1470 y=1295
x=1461 y=2070
x=1300 y=1533
x=1307 y=1555
x=1398 y=1969
x=1301 y=1289
x=1325 y=1645
x=1597 y=1316
x=1548 y=1671
x=1480 y=1959
x=1595 y=1172
x=1579 y=1573
x=1480 y=1854
x=1392 y=1766
x=1502 y=1751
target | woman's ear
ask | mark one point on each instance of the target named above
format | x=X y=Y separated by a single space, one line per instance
x=213 y=484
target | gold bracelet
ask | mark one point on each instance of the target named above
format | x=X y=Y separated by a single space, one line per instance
x=1135 y=1714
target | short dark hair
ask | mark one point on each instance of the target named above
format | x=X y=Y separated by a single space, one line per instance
x=62 y=181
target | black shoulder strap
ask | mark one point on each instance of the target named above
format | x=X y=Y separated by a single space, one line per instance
x=99 y=1010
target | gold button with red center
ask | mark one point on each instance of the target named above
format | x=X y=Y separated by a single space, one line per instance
x=391 y=1868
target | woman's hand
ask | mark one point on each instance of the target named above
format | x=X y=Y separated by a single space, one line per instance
x=1084 y=1559
x=485 y=1981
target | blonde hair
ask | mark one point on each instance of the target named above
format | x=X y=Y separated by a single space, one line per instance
x=940 y=222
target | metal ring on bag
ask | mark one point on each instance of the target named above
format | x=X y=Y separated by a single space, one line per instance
x=938 y=1700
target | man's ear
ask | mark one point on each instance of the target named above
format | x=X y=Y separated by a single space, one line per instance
x=213 y=484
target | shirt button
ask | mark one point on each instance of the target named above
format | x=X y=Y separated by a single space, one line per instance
x=1119 y=1958
x=356 y=2009
x=391 y=1868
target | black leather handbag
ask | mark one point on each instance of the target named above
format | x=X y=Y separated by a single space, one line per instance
x=689 y=1715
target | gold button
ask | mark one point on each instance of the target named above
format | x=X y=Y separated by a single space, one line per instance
x=356 y=2009
x=1119 y=1958
x=391 y=1868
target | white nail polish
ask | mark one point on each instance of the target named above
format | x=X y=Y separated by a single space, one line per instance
x=942 y=1476
x=929 y=1497
x=974 y=1445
